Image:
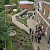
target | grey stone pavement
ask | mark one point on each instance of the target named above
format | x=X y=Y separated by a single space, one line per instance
x=43 y=44
x=31 y=23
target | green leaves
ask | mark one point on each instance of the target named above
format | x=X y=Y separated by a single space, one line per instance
x=4 y=25
x=1 y=5
x=21 y=48
x=6 y=1
x=10 y=45
x=31 y=0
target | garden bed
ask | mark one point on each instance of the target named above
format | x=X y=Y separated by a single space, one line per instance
x=23 y=21
x=22 y=40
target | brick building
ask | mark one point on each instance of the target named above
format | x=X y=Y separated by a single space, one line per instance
x=25 y=5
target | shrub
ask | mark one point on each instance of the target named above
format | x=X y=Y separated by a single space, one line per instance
x=10 y=45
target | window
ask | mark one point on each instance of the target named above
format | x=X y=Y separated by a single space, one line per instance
x=44 y=12
x=49 y=15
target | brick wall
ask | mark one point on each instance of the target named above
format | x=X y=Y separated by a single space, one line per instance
x=26 y=6
x=48 y=0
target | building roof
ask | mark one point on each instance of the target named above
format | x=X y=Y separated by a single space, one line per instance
x=9 y=5
x=25 y=2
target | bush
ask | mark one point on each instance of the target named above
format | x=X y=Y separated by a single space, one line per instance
x=29 y=46
x=18 y=10
x=21 y=48
x=10 y=45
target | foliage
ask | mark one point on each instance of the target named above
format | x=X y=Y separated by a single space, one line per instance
x=31 y=0
x=12 y=1
x=21 y=48
x=18 y=10
x=22 y=40
x=4 y=28
x=23 y=21
x=6 y=1
x=1 y=5
x=30 y=47
x=10 y=44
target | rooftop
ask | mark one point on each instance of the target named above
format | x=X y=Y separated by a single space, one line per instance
x=9 y=5
x=25 y=2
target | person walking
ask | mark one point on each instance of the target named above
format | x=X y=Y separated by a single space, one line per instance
x=38 y=48
x=49 y=41
x=36 y=28
x=39 y=37
x=36 y=35
x=32 y=36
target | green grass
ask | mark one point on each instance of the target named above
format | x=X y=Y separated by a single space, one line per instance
x=23 y=21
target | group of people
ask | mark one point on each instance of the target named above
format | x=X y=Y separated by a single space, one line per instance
x=37 y=33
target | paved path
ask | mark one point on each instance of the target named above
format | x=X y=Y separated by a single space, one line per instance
x=43 y=45
x=31 y=23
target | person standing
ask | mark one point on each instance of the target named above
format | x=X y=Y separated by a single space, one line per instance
x=36 y=28
x=38 y=48
x=32 y=36
x=36 y=35
x=49 y=40
x=39 y=37
x=30 y=30
x=43 y=32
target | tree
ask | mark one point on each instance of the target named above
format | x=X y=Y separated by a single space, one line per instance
x=12 y=1
x=1 y=5
x=4 y=28
x=31 y=0
x=6 y=1
x=4 y=25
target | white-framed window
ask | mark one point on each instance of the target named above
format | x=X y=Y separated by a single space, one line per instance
x=46 y=32
x=44 y=12
x=49 y=15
